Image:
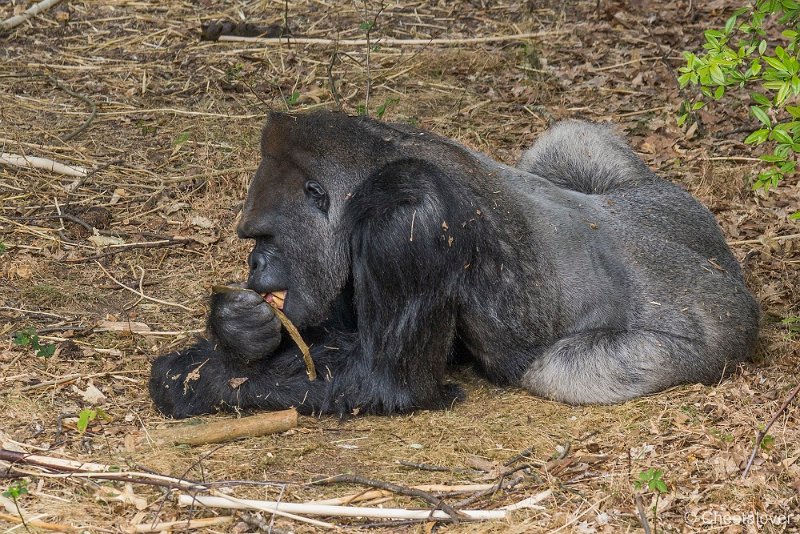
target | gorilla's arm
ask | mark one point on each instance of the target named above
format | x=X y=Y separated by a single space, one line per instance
x=202 y=380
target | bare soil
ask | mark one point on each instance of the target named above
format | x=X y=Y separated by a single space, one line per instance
x=174 y=143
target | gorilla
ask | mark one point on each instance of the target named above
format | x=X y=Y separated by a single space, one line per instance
x=579 y=276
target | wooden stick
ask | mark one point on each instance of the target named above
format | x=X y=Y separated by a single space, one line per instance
x=311 y=371
x=338 y=511
x=41 y=163
x=192 y=524
x=761 y=435
x=764 y=240
x=388 y=41
x=227 y=429
x=37 y=523
x=34 y=10
x=431 y=488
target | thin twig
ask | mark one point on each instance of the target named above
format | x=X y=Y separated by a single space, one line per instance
x=764 y=240
x=763 y=433
x=388 y=41
x=152 y=299
x=86 y=99
x=332 y=82
x=642 y=515
x=116 y=249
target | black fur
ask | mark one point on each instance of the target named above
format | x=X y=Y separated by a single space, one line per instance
x=579 y=275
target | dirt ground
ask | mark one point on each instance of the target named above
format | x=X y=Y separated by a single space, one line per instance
x=172 y=146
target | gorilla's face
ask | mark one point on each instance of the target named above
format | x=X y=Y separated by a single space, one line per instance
x=292 y=209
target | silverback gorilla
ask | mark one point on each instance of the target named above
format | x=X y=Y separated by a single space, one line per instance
x=579 y=275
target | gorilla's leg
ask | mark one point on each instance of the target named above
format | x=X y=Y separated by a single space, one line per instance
x=613 y=366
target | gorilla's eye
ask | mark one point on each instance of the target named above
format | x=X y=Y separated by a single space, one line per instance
x=317 y=194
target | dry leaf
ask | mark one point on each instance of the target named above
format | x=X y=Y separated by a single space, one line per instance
x=91 y=395
x=101 y=241
x=236 y=382
x=126 y=496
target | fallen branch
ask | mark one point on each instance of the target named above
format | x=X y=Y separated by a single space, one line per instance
x=32 y=11
x=388 y=41
x=761 y=435
x=437 y=502
x=226 y=429
x=33 y=162
x=764 y=240
x=36 y=523
x=337 y=511
x=191 y=524
x=430 y=488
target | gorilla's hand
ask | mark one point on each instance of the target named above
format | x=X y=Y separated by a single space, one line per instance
x=242 y=325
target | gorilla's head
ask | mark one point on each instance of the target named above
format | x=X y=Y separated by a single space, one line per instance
x=311 y=165
x=314 y=180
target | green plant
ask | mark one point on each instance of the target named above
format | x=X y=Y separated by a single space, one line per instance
x=180 y=139
x=749 y=54
x=292 y=99
x=652 y=480
x=767 y=442
x=3 y=248
x=233 y=72
x=28 y=337
x=16 y=490
x=383 y=107
x=85 y=417
x=792 y=325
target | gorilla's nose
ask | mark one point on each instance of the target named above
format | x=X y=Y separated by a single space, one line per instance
x=258 y=261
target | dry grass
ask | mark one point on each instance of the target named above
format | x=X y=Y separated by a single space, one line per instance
x=175 y=139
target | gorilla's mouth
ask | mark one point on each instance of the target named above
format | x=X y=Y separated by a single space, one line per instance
x=276 y=298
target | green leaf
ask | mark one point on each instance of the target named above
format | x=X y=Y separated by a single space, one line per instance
x=794 y=111
x=661 y=486
x=783 y=92
x=698 y=105
x=682 y=119
x=776 y=63
x=781 y=136
x=45 y=351
x=761 y=115
x=292 y=99
x=795 y=216
x=729 y=24
x=84 y=418
x=2 y=248
x=762 y=47
x=366 y=26
x=760 y=99
x=757 y=137
x=716 y=75
x=182 y=138
x=22 y=337
x=719 y=92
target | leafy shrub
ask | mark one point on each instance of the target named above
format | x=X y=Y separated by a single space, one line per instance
x=757 y=50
